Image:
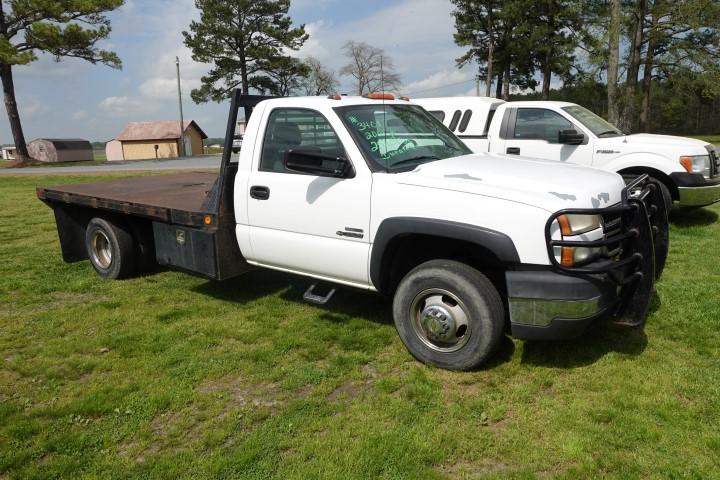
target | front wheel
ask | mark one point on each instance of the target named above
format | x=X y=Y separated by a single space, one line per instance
x=448 y=315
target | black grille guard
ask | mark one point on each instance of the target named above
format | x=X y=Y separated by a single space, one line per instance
x=641 y=240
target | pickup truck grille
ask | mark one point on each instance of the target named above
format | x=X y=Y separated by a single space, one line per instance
x=628 y=232
x=635 y=242
x=714 y=161
x=612 y=227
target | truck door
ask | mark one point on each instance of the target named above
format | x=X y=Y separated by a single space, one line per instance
x=305 y=223
x=535 y=132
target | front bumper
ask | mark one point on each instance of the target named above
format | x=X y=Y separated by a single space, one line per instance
x=695 y=190
x=562 y=301
x=546 y=305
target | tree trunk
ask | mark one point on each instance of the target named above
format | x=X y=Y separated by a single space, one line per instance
x=645 y=122
x=498 y=87
x=491 y=52
x=489 y=78
x=13 y=115
x=547 y=77
x=506 y=83
x=244 y=77
x=628 y=117
x=547 y=64
x=613 y=62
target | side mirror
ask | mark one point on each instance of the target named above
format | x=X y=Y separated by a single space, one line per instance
x=317 y=163
x=570 y=137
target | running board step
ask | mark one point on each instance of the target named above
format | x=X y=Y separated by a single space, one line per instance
x=311 y=296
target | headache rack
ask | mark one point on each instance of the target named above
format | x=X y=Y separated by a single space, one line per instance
x=636 y=243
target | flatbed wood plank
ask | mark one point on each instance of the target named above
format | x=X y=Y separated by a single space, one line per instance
x=180 y=191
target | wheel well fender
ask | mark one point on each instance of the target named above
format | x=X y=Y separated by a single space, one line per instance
x=657 y=174
x=648 y=160
x=408 y=237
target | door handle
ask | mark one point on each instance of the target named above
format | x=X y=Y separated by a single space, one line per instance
x=259 y=192
x=513 y=151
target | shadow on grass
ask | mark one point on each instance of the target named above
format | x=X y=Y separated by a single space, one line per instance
x=692 y=217
x=598 y=341
x=347 y=302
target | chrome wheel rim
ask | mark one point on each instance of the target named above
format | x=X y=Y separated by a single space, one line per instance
x=440 y=320
x=100 y=249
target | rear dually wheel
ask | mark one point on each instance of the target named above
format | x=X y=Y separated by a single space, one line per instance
x=111 y=248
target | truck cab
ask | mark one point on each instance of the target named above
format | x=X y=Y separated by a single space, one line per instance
x=688 y=169
x=375 y=193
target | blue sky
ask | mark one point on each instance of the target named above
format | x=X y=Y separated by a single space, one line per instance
x=75 y=99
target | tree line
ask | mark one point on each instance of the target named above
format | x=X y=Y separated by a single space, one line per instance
x=630 y=49
x=247 y=43
x=655 y=63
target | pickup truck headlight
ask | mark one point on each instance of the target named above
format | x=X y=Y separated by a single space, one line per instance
x=697 y=164
x=575 y=227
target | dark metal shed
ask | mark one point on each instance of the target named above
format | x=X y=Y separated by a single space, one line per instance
x=52 y=150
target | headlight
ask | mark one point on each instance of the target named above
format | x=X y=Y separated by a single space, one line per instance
x=578 y=224
x=574 y=227
x=697 y=164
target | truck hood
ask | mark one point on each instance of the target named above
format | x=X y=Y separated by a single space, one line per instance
x=658 y=142
x=549 y=185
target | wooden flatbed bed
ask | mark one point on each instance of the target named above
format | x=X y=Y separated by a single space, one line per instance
x=182 y=220
x=174 y=198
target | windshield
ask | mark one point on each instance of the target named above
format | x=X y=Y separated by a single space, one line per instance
x=400 y=137
x=596 y=124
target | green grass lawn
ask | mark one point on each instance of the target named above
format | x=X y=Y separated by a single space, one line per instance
x=709 y=138
x=173 y=376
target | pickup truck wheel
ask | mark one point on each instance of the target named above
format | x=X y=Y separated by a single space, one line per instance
x=111 y=249
x=448 y=315
x=665 y=191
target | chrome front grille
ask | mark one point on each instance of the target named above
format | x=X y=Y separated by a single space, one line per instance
x=714 y=161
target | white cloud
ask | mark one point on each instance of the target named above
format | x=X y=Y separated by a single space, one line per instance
x=437 y=81
x=163 y=86
x=416 y=34
x=80 y=115
x=122 y=105
x=31 y=107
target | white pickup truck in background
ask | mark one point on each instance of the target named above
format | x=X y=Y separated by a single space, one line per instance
x=374 y=193
x=688 y=169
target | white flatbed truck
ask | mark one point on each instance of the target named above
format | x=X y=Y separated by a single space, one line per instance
x=376 y=194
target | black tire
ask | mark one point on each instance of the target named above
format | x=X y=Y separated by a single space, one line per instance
x=425 y=298
x=111 y=249
x=667 y=196
x=662 y=235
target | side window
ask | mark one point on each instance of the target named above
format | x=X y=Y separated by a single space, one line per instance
x=539 y=124
x=491 y=115
x=289 y=128
x=439 y=114
x=454 y=121
x=465 y=120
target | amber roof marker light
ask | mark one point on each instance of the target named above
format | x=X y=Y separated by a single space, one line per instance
x=379 y=96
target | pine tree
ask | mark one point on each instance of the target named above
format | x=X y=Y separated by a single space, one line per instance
x=244 y=40
x=61 y=28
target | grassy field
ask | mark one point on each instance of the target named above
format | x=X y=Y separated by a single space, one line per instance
x=708 y=138
x=173 y=376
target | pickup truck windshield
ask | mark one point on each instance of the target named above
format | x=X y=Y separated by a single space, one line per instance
x=596 y=124
x=400 y=137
